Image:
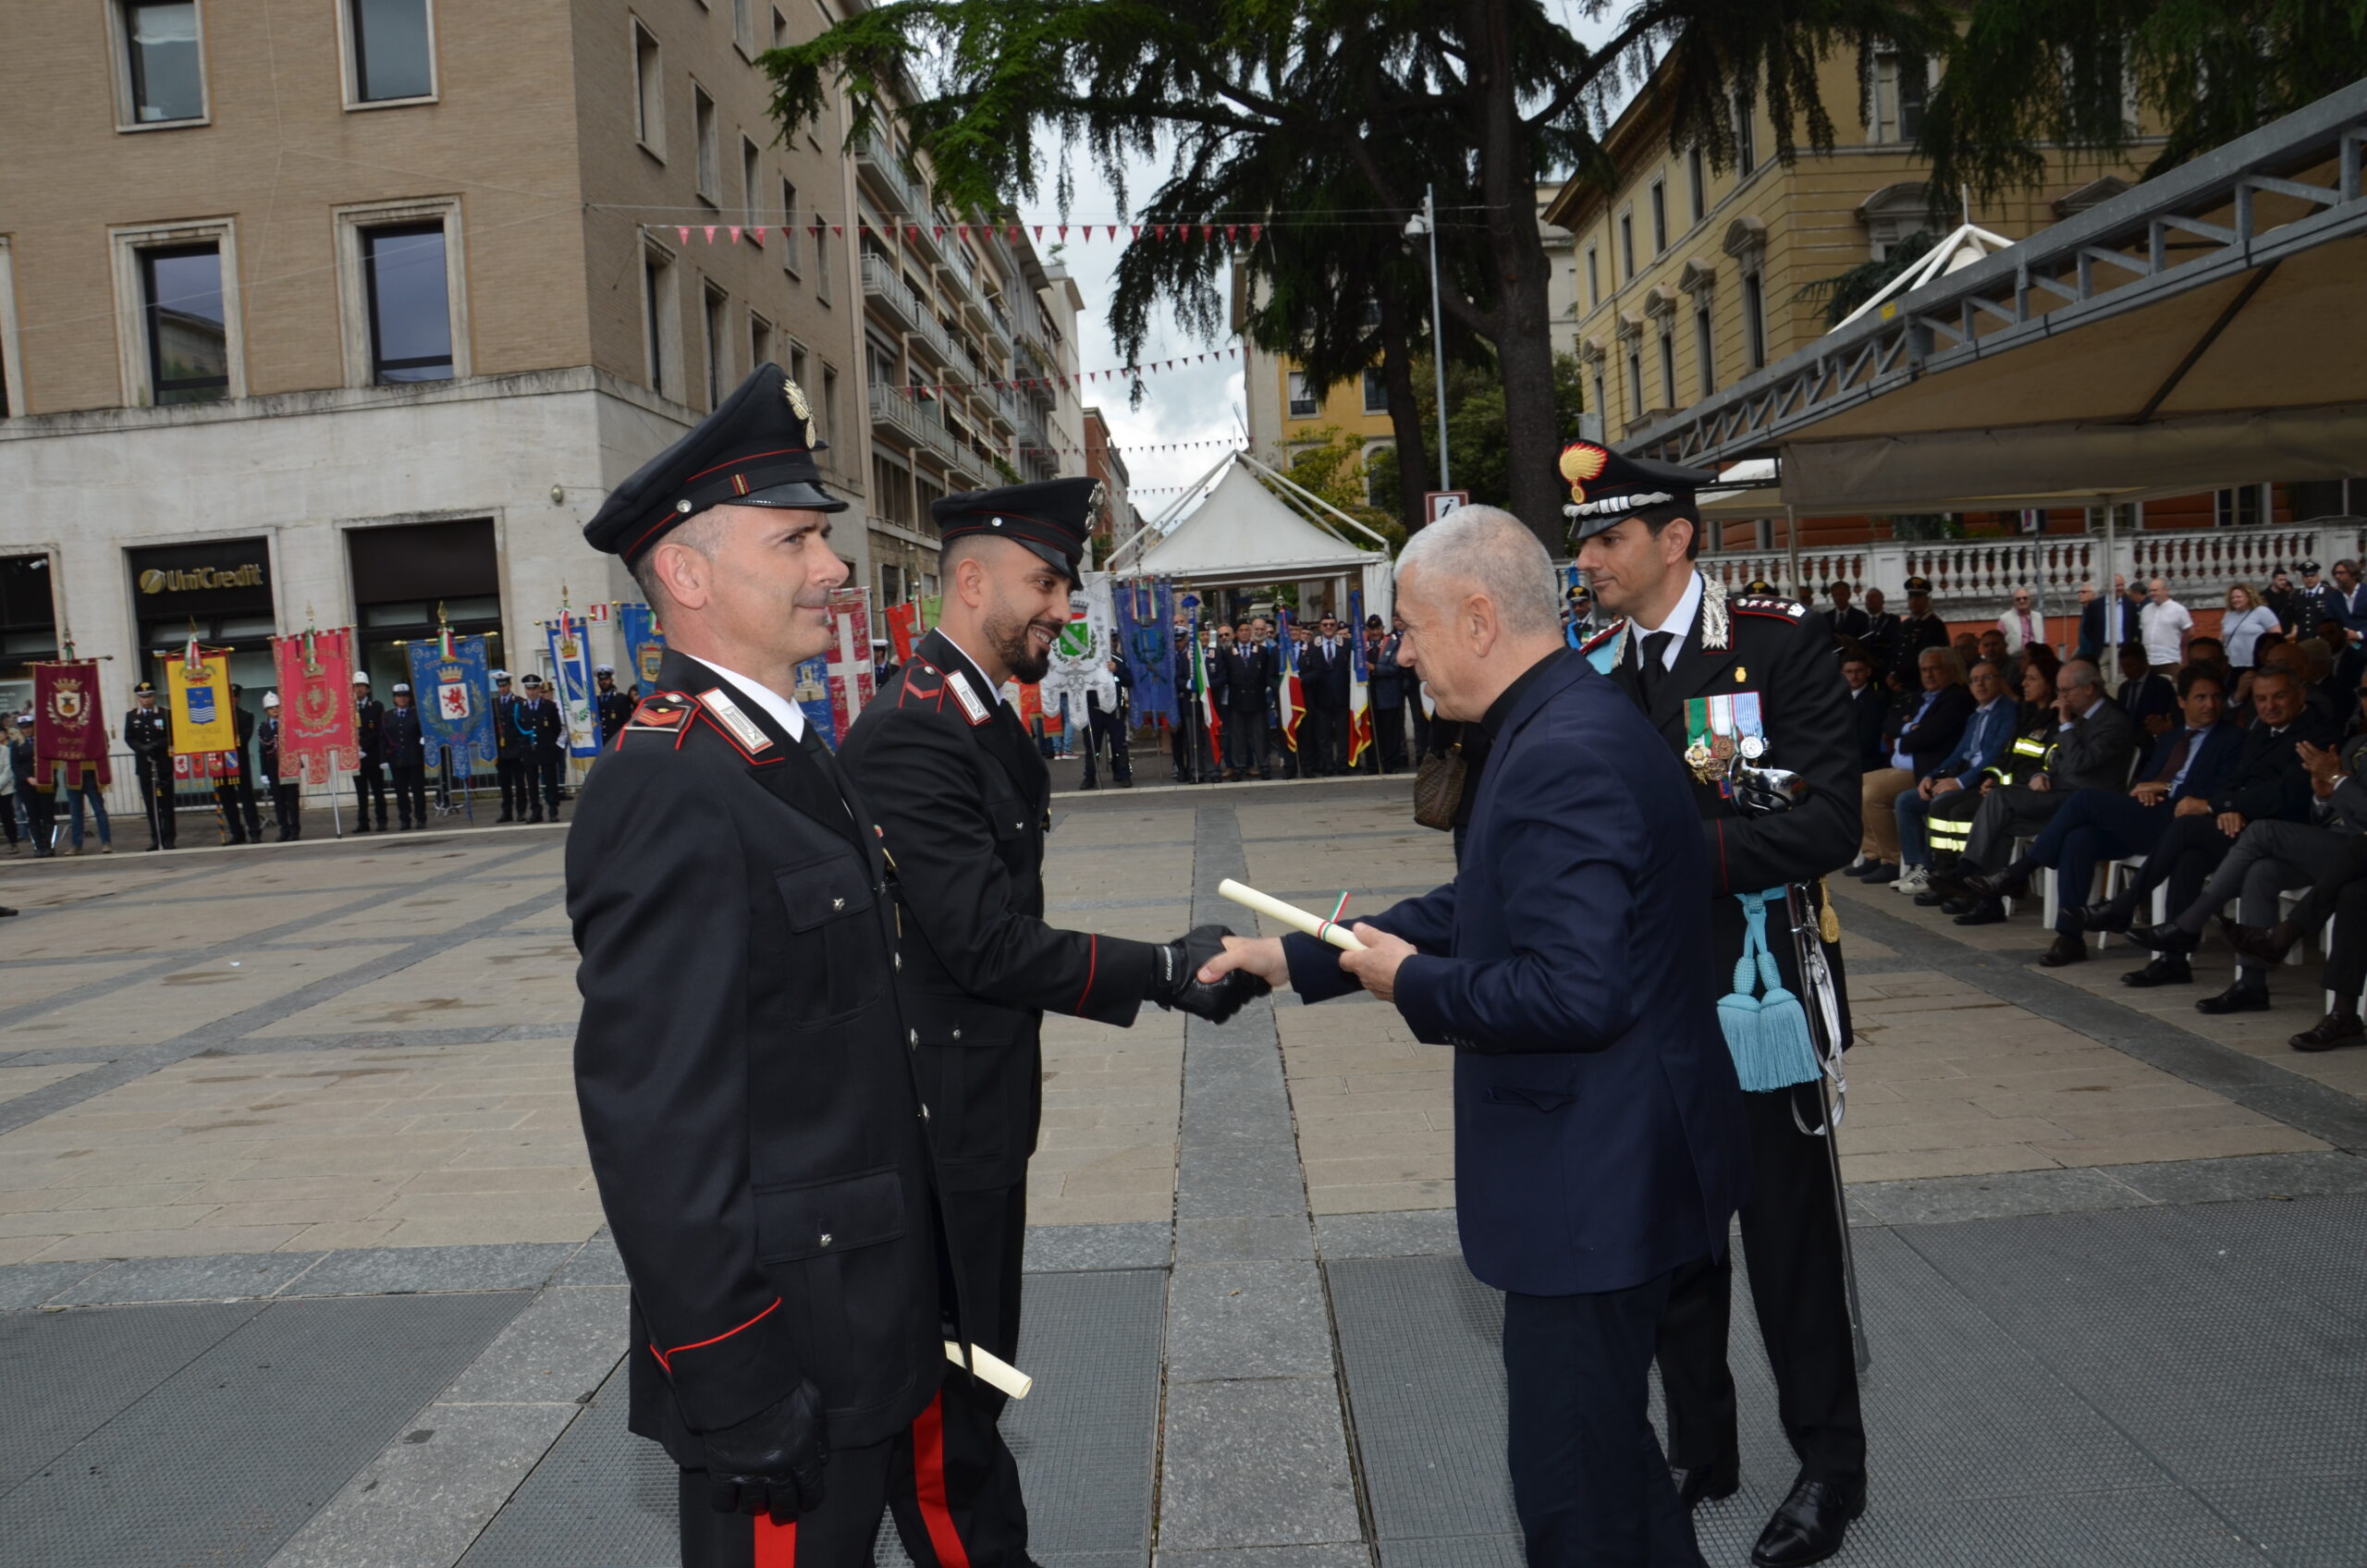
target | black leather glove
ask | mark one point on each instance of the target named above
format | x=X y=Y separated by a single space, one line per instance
x=1177 y=984
x=771 y=1462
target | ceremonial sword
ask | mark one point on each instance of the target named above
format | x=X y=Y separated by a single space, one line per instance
x=1769 y=791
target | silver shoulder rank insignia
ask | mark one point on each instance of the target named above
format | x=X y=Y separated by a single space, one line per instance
x=977 y=711
x=1716 y=633
x=727 y=713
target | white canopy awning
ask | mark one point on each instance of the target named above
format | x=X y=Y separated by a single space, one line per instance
x=1243 y=535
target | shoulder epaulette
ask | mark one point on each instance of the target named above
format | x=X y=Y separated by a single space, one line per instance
x=1606 y=635
x=1769 y=605
x=921 y=685
x=661 y=710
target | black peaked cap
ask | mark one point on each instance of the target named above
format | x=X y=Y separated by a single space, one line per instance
x=1051 y=517
x=1608 y=486
x=757 y=449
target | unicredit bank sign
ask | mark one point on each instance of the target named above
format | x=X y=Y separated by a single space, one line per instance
x=217 y=577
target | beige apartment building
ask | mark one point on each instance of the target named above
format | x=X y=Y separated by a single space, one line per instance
x=379 y=298
x=1684 y=279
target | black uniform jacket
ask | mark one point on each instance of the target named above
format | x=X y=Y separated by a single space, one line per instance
x=1782 y=651
x=745 y=1079
x=508 y=741
x=542 y=725
x=367 y=712
x=964 y=801
x=149 y=734
x=402 y=741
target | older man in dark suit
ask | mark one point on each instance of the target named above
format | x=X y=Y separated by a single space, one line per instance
x=1599 y=1145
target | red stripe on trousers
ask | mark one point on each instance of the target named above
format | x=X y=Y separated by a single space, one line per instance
x=928 y=1484
x=776 y=1544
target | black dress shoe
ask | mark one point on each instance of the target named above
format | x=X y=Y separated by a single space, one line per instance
x=2110 y=916
x=2069 y=948
x=1988 y=911
x=1882 y=876
x=2334 y=1029
x=1959 y=906
x=1997 y=885
x=2244 y=996
x=1709 y=1482
x=1809 y=1526
x=2167 y=937
x=1932 y=898
x=2268 y=944
x=2166 y=970
x=1948 y=885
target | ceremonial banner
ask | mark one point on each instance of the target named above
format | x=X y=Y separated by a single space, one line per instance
x=1027 y=702
x=198 y=692
x=571 y=672
x=315 y=672
x=455 y=698
x=1292 y=697
x=69 y=726
x=1150 y=651
x=644 y=644
x=1080 y=663
x=814 y=697
x=849 y=664
x=903 y=629
x=1359 y=691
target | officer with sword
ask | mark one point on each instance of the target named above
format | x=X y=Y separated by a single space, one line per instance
x=1741 y=686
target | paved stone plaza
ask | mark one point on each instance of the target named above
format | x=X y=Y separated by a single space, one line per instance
x=300 y=1261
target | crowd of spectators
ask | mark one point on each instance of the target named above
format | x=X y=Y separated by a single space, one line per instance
x=2212 y=770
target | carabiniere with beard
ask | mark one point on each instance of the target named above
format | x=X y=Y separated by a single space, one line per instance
x=963 y=803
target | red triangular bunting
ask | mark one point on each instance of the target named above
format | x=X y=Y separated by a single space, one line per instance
x=683 y=229
x=838 y=228
x=710 y=234
x=963 y=229
x=1207 y=232
x=1255 y=229
x=1137 y=229
x=1158 y=230
x=1230 y=230
x=735 y=234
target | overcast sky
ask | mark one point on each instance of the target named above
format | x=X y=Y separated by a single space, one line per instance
x=1202 y=404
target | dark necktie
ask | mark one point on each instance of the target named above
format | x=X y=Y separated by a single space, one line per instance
x=2176 y=757
x=1654 y=666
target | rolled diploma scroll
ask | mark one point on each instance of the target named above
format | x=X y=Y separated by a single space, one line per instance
x=992 y=1370
x=1291 y=915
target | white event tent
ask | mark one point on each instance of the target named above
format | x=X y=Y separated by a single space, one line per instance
x=1244 y=525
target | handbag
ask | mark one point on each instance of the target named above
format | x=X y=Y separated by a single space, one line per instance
x=1438 y=788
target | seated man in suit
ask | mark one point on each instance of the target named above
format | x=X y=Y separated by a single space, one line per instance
x=1951 y=792
x=1868 y=705
x=2098 y=826
x=1601 y=1149
x=2267 y=783
x=2090 y=750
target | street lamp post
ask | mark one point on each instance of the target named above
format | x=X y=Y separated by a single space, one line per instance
x=1426 y=223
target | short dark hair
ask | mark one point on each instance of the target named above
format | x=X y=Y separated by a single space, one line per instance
x=1657 y=518
x=2195 y=643
x=2201 y=669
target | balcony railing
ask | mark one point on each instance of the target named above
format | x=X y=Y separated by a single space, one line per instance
x=872 y=155
x=1975 y=579
x=883 y=282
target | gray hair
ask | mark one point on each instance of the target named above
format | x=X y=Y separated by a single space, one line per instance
x=1489 y=549
x=2080 y=673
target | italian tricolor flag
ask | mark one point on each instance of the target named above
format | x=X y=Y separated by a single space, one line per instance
x=1204 y=689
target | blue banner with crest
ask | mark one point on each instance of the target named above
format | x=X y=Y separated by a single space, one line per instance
x=645 y=645
x=455 y=700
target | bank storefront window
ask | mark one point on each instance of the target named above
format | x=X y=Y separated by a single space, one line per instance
x=221 y=585
x=403 y=571
x=27 y=627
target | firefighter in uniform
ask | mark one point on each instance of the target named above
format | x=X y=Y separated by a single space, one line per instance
x=148 y=730
x=964 y=801
x=1749 y=676
x=609 y=706
x=748 y=1099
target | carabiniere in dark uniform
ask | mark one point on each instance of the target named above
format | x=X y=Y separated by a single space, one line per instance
x=1753 y=676
x=747 y=1090
x=963 y=803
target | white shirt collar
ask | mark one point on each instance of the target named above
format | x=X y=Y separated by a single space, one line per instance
x=1680 y=621
x=975 y=663
x=786 y=714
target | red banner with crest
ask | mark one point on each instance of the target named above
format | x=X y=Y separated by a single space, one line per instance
x=69 y=722
x=315 y=672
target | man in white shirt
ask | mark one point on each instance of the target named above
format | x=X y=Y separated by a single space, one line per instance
x=2021 y=625
x=2163 y=624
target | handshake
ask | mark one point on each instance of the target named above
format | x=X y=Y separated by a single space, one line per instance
x=1176 y=981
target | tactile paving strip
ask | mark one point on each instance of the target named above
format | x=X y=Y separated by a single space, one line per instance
x=220 y=1462
x=1085 y=1440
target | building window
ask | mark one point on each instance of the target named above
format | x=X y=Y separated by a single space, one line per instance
x=1601 y=398
x=1697 y=180
x=744 y=26
x=1705 y=350
x=163 y=81
x=1636 y=384
x=410 y=307
x=1668 y=367
x=1746 y=139
x=1754 y=321
x=797 y=363
x=659 y=323
x=821 y=262
x=1375 y=391
x=1594 y=280
x=790 y=257
x=188 y=323
x=780 y=30
x=829 y=402
x=2243 y=506
x=1628 y=246
x=12 y=369
x=760 y=341
x=393 y=51
x=1303 y=403
x=1660 y=217
x=648 y=93
x=717 y=317
x=709 y=151
x=1902 y=84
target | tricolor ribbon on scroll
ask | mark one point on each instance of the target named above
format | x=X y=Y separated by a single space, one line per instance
x=315 y=670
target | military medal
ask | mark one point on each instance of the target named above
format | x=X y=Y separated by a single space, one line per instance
x=1700 y=751
x=1749 y=724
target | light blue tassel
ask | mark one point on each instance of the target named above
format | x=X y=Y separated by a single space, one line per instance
x=1774 y=1049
